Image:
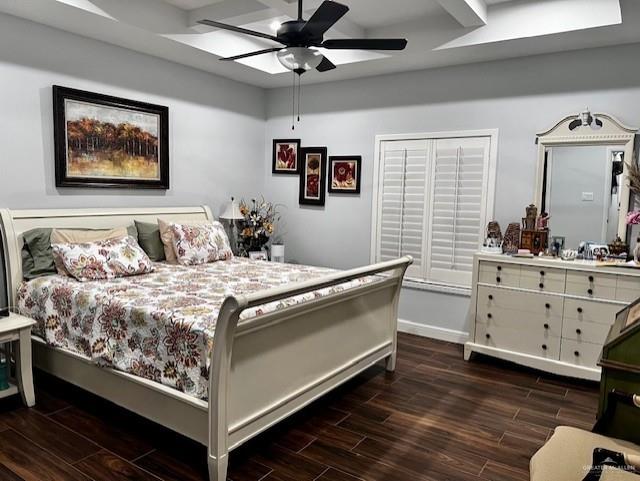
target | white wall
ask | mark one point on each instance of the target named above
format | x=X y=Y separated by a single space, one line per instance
x=519 y=97
x=216 y=125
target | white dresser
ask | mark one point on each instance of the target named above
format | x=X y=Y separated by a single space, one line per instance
x=548 y=314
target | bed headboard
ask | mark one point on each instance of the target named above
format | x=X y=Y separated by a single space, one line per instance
x=14 y=222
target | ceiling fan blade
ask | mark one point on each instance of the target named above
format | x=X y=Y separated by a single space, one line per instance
x=233 y=28
x=325 y=65
x=252 y=54
x=324 y=18
x=366 y=44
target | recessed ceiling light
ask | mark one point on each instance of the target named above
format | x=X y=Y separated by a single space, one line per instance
x=275 y=25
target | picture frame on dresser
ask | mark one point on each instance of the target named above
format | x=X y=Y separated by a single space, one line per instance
x=105 y=141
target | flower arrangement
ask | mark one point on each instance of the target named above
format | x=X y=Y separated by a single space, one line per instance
x=258 y=225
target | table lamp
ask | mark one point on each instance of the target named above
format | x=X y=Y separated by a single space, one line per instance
x=232 y=214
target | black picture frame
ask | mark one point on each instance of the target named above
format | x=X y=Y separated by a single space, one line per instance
x=274 y=157
x=310 y=154
x=334 y=189
x=160 y=151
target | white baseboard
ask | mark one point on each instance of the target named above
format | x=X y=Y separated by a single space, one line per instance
x=425 y=330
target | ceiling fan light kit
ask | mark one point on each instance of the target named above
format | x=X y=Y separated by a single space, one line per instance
x=301 y=38
x=299 y=58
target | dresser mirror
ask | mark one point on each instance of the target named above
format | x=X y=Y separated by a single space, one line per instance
x=581 y=178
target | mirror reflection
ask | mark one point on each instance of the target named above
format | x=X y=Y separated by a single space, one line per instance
x=582 y=192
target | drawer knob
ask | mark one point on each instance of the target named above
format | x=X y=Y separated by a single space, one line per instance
x=487 y=335
x=576 y=353
x=547 y=305
x=590 y=292
x=499 y=268
x=491 y=297
x=541 y=285
x=489 y=315
x=546 y=326
x=580 y=310
x=578 y=331
x=590 y=278
x=544 y=347
x=498 y=279
x=542 y=273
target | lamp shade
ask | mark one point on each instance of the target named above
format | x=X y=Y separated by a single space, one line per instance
x=232 y=212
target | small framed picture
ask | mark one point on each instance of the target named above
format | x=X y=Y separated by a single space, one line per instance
x=285 y=156
x=258 y=256
x=313 y=177
x=344 y=174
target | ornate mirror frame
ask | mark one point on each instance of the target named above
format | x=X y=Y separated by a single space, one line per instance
x=612 y=132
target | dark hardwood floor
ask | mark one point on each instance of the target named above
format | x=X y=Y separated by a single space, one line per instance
x=436 y=418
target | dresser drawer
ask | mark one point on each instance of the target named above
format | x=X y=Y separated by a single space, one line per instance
x=499 y=274
x=580 y=353
x=584 y=331
x=591 y=284
x=591 y=311
x=542 y=279
x=544 y=305
x=512 y=339
x=532 y=312
x=627 y=288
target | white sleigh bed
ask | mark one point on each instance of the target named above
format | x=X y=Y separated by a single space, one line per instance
x=263 y=369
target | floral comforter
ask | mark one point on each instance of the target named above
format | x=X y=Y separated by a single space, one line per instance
x=160 y=325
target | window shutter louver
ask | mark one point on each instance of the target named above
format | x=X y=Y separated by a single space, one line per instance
x=459 y=171
x=403 y=175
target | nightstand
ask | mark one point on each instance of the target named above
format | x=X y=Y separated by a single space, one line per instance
x=16 y=329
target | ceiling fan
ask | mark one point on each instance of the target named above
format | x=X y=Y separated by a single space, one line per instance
x=301 y=38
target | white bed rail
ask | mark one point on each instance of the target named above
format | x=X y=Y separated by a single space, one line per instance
x=227 y=333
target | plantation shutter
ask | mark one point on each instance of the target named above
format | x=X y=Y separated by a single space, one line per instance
x=403 y=184
x=459 y=170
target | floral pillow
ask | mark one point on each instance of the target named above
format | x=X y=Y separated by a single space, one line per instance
x=199 y=244
x=104 y=259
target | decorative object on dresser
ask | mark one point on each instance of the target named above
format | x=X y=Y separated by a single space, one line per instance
x=258 y=225
x=493 y=239
x=511 y=240
x=104 y=141
x=285 y=156
x=620 y=364
x=534 y=235
x=344 y=174
x=313 y=177
x=232 y=215
x=546 y=313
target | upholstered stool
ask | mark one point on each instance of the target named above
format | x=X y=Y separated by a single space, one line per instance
x=568 y=454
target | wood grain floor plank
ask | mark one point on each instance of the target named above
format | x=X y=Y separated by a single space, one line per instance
x=105 y=466
x=50 y=435
x=7 y=475
x=335 y=475
x=32 y=463
x=119 y=439
x=500 y=472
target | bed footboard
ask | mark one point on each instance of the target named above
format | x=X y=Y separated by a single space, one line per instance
x=269 y=367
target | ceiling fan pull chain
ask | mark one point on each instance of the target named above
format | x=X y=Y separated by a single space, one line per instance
x=299 y=94
x=293 y=104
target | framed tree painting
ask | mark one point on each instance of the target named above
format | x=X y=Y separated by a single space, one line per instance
x=313 y=176
x=103 y=141
x=344 y=174
x=285 y=156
